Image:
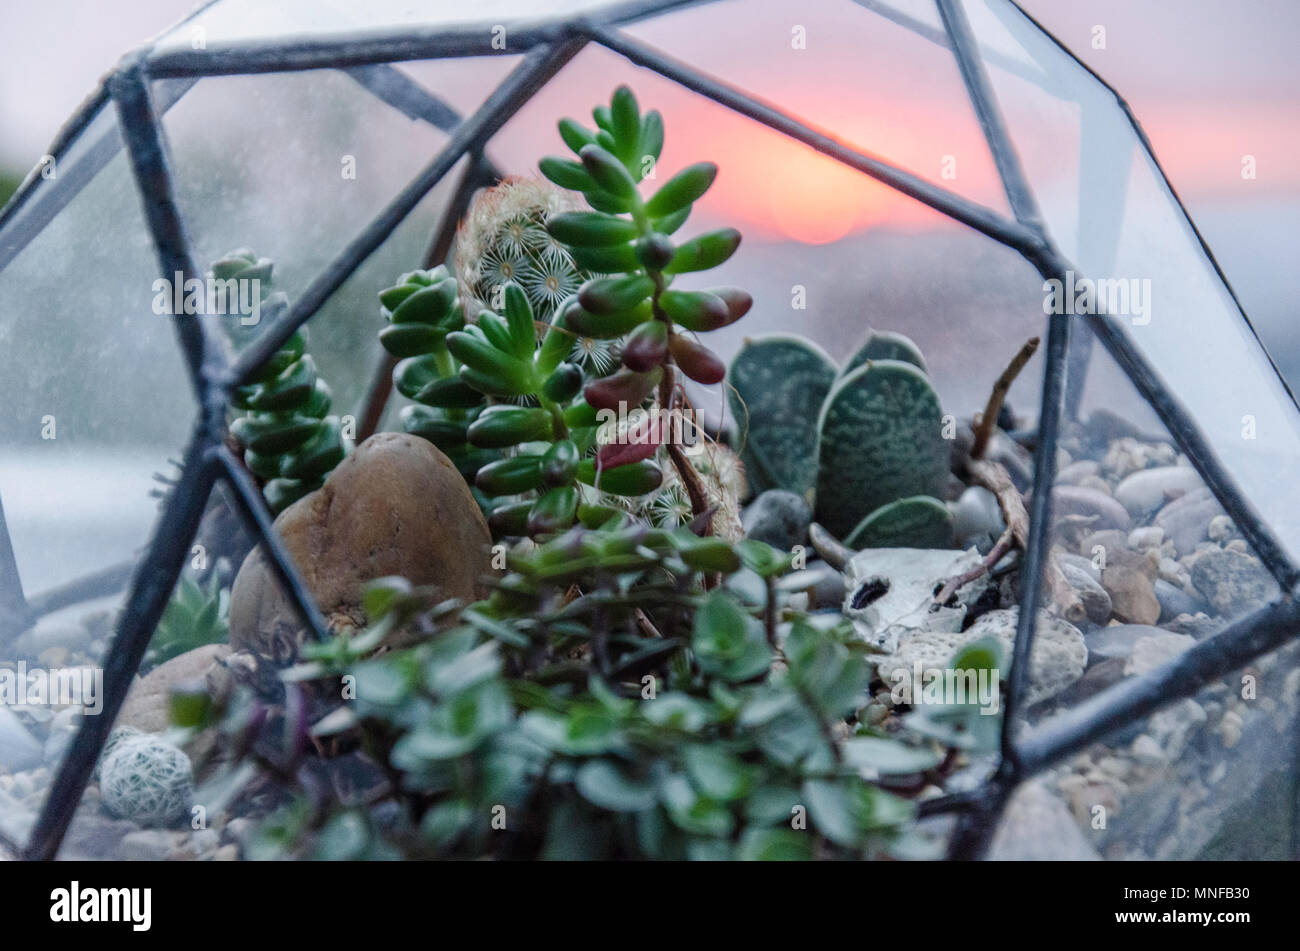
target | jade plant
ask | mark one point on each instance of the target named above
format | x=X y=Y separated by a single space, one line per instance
x=290 y=442
x=517 y=414
x=864 y=445
x=648 y=718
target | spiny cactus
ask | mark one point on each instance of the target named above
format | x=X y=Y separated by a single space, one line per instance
x=288 y=438
x=148 y=780
x=504 y=240
x=864 y=445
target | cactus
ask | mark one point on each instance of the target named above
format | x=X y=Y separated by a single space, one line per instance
x=148 y=780
x=504 y=240
x=777 y=386
x=289 y=440
x=875 y=458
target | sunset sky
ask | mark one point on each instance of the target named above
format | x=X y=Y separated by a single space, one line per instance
x=1211 y=80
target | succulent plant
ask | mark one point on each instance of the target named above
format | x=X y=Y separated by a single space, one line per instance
x=644 y=718
x=289 y=439
x=874 y=463
x=420 y=310
x=520 y=417
x=451 y=369
x=628 y=238
x=146 y=779
x=193 y=617
x=777 y=385
x=504 y=240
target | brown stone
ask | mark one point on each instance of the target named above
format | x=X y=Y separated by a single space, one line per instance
x=395 y=506
x=1129 y=578
x=148 y=702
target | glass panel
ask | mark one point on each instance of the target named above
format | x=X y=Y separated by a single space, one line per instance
x=235 y=21
x=296 y=197
x=147 y=799
x=1142 y=546
x=1211 y=777
x=852 y=74
x=968 y=302
x=97 y=398
x=1113 y=215
x=60 y=178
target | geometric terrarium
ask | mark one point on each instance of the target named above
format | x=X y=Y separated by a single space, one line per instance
x=445 y=430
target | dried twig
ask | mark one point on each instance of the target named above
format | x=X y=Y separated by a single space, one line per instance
x=957 y=582
x=686 y=473
x=832 y=552
x=989 y=418
x=645 y=625
x=994 y=477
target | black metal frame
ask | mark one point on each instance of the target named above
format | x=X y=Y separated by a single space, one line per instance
x=547 y=46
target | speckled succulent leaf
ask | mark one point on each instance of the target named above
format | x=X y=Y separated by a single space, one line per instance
x=881 y=440
x=916 y=522
x=886 y=345
x=776 y=386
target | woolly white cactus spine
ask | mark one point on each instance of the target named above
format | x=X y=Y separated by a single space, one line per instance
x=147 y=780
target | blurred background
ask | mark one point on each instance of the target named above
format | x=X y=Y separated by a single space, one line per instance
x=827 y=253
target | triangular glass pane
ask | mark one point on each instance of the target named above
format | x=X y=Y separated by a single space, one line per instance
x=97 y=396
x=297 y=193
x=1114 y=217
x=242 y=21
x=868 y=258
x=849 y=72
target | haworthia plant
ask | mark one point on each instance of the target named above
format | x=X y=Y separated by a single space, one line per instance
x=919 y=521
x=881 y=440
x=886 y=345
x=776 y=386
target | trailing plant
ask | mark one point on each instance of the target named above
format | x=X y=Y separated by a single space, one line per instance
x=646 y=718
x=290 y=442
x=519 y=416
x=194 y=616
x=875 y=463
